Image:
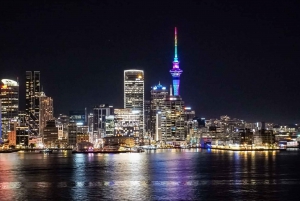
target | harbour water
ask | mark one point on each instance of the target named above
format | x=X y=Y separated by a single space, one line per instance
x=186 y=174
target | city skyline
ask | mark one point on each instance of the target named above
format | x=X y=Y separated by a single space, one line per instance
x=240 y=61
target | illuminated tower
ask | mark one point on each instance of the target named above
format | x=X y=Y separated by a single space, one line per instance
x=176 y=71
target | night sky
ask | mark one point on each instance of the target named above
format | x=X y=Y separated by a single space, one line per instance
x=239 y=59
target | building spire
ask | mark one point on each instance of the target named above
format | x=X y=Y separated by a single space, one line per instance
x=175 y=57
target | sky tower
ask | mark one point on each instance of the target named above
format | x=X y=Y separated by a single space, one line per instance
x=176 y=71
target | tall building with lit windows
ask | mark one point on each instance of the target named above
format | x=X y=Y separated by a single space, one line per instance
x=134 y=95
x=9 y=97
x=158 y=96
x=46 y=111
x=32 y=109
x=100 y=114
x=173 y=119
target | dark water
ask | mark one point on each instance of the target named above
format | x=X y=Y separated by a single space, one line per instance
x=157 y=175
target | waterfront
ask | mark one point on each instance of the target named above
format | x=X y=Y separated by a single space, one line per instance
x=174 y=174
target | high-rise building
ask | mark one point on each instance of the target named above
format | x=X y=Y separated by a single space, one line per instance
x=189 y=114
x=50 y=134
x=9 y=97
x=1 y=122
x=63 y=121
x=127 y=122
x=176 y=71
x=72 y=134
x=46 y=111
x=110 y=126
x=172 y=119
x=134 y=95
x=33 y=90
x=158 y=96
x=100 y=114
x=147 y=110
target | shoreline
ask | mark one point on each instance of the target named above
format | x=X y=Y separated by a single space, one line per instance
x=131 y=151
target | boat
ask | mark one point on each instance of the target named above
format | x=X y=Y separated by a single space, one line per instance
x=149 y=147
x=137 y=150
x=105 y=149
x=46 y=151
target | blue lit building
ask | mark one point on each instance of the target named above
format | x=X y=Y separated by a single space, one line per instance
x=158 y=96
x=78 y=116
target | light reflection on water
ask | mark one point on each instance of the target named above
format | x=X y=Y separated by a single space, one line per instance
x=155 y=175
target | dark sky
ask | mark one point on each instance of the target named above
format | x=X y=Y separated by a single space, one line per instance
x=239 y=58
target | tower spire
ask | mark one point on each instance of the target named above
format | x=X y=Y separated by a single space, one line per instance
x=176 y=71
x=175 y=40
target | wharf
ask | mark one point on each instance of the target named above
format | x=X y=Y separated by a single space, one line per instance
x=244 y=149
x=6 y=151
x=101 y=152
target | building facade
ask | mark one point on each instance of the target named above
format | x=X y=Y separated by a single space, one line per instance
x=50 y=136
x=134 y=95
x=159 y=94
x=173 y=119
x=9 y=98
x=46 y=111
x=100 y=113
x=33 y=90
x=78 y=116
x=127 y=122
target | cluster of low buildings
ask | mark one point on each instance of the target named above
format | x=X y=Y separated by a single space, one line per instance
x=229 y=132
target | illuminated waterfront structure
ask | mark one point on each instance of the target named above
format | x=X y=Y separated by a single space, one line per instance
x=33 y=90
x=134 y=95
x=9 y=104
x=176 y=71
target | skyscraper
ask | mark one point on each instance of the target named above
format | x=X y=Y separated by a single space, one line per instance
x=176 y=71
x=9 y=97
x=158 y=96
x=99 y=120
x=172 y=119
x=46 y=111
x=32 y=108
x=134 y=94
